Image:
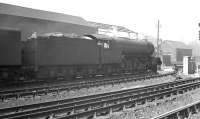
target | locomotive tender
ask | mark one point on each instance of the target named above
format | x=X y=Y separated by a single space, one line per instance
x=69 y=56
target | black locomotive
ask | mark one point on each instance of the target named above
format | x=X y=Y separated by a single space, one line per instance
x=70 y=56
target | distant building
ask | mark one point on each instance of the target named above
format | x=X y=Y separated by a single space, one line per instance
x=180 y=53
x=28 y=21
x=170 y=48
x=166 y=59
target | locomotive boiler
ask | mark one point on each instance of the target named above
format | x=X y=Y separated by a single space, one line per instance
x=71 y=56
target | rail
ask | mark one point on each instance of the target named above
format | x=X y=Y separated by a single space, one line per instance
x=182 y=112
x=104 y=103
x=66 y=87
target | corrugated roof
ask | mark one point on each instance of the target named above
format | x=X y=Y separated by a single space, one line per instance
x=40 y=14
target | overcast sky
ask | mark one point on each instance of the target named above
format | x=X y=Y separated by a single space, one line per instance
x=179 y=18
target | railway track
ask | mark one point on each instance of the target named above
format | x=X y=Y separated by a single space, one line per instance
x=5 y=94
x=182 y=112
x=101 y=104
x=36 y=82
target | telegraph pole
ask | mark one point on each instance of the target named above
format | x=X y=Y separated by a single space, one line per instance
x=158 y=39
x=199 y=32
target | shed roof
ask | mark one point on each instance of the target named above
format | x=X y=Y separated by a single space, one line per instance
x=108 y=26
x=40 y=14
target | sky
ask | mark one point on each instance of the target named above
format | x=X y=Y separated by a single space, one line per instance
x=178 y=18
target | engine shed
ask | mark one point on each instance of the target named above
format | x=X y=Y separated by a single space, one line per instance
x=28 y=21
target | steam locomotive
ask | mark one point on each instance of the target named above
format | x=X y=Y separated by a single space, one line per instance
x=71 y=56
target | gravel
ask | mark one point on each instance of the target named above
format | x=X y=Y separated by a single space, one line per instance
x=82 y=92
x=159 y=107
x=195 y=116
